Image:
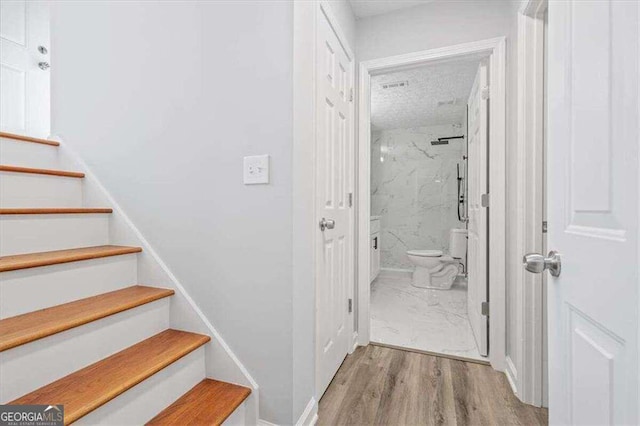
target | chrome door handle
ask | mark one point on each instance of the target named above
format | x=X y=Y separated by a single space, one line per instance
x=327 y=224
x=537 y=263
x=44 y=65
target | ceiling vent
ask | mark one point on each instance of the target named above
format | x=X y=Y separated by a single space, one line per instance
x=394 y=85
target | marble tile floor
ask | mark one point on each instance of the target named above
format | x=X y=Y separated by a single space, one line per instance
x=421 y=319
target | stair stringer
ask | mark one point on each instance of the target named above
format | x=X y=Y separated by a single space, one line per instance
x=221 y=362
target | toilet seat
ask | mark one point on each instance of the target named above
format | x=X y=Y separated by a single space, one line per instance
x=425 y=253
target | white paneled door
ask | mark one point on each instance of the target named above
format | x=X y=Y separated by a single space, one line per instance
x=334 y=219
x=593 y=211
x=24 y=73
x=477 y=229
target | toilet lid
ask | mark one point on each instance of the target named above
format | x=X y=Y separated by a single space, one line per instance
x=425 y=253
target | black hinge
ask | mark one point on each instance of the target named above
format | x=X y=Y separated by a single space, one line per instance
x=351 y=199
x=350 y=305
x=484 y=308
x=545 y=227
x=484 y=200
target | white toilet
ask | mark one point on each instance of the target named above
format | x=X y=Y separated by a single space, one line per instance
x=437 y=270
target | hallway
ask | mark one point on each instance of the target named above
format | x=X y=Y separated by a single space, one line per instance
x=382 y=386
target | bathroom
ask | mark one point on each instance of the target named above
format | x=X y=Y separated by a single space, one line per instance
x=420 y=210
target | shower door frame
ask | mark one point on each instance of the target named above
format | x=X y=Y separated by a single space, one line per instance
x=495 y=50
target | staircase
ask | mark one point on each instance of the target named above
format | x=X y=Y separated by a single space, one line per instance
x=76 y=327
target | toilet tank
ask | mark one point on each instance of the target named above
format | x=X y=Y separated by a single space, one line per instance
x=458 y=243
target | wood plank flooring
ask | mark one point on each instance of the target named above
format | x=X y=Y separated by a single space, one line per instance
x=383 y=386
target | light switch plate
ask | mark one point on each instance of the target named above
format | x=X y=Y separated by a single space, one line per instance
x=256 y=169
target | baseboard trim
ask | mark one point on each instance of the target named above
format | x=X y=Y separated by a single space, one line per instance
x=396 y=270
x=512 y=375
x=309 y=416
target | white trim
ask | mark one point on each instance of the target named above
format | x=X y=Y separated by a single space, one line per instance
x=333 y=21
x=396 y=270
x=512 y=375
x=528 y=288
x=128 y=232
x=309 y=416
x=496 y=49
x=303 y=205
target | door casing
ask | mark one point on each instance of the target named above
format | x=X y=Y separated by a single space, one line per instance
x=495 y=50
x=525 y=373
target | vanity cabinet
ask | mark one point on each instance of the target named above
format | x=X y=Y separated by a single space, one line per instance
x=374 y=248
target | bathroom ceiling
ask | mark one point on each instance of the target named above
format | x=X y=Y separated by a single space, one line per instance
x=435 y=94
x=366 y=8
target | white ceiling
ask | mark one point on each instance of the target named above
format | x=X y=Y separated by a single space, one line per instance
x=436 y=94
x=365 y=8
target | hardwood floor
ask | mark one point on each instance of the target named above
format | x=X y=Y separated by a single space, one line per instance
x=383 y=386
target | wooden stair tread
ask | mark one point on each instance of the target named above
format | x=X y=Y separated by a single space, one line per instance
x=87 y=389
x=60 y=210
x=210 y=402
x=23 y=138
x=51 y=172
x=25 y=328
x=32 y=260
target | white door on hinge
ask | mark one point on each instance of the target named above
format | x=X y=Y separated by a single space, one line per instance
x=593 y=212
x=477 y=289
x=24 y=85
x=334 y=156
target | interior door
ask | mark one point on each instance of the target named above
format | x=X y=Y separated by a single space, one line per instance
x=477 y=228
x=593 y=211
x=334 y=156
x=24 y=76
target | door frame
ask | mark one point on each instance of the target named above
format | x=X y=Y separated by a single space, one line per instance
x=525 y=363
x=495 y=49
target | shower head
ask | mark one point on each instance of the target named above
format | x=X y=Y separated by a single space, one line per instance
x=445 y=141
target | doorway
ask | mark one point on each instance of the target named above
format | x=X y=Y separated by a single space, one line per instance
x=428 y=225
x=490 y=300
x=24 y=68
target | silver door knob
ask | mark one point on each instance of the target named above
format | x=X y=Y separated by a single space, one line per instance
x=327 y=224
x=44 y=65
x=537 y=263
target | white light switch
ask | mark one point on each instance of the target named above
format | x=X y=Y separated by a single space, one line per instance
x=256 y=169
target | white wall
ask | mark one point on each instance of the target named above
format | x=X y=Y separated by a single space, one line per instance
x=162 y=100
x=414 y=188
x=446 y=23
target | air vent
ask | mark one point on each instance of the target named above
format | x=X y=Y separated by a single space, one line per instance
x=394 y=85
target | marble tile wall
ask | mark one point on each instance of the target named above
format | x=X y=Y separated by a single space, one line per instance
x=414 y=189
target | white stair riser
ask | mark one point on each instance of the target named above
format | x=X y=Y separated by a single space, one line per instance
x=36 y=190
x=26 y=154
x=237 y=418
x=46 y=232
x=144 y=401
x=31 y=289
x=31 y=366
